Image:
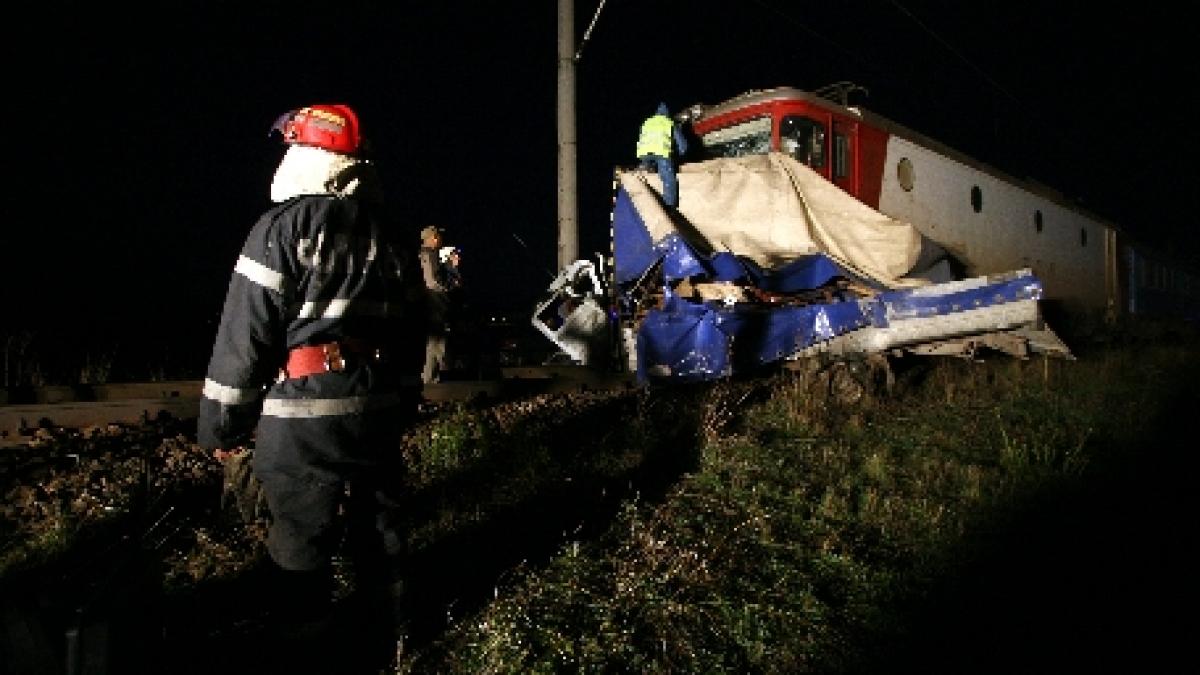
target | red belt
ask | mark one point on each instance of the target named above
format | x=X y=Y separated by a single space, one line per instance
x=329 y=357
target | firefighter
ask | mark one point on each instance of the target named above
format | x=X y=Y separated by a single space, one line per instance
x=316 y=362
x=661 y=136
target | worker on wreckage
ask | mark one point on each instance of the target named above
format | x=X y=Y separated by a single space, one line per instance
x=317 y=359
x=660 y=142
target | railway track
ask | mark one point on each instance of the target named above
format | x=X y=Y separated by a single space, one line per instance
x=23 y=411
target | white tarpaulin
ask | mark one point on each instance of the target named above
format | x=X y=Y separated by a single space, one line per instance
x=773 y=209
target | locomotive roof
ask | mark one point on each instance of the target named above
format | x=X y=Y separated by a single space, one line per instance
x=701 y=112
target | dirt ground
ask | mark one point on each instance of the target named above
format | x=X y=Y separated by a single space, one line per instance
x=146 y=563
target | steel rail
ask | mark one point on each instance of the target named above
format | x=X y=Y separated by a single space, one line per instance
x=24 y=410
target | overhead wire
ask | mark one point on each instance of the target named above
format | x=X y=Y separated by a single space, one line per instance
x=888 y=72
x=1034 y=135
x=817 y=34
x=872 y=64
x=1021 y=147
x=587 y=34
x=1030 y=119
x=949 y=47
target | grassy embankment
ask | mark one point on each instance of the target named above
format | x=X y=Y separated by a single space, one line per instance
x=1002 y=516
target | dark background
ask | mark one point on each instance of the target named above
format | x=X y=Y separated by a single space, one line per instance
x=138 y=138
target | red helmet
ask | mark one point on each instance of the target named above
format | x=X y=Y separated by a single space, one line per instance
x=330 y=126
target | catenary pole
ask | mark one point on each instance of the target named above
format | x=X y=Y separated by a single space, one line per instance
x=568 y=210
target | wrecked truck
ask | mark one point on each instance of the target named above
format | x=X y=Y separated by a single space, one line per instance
x=766 y=262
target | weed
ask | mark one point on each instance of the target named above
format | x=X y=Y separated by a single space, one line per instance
x=779 y=525
x=811 y=522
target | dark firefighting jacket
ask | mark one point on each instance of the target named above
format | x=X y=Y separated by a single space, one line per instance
x=314 y=269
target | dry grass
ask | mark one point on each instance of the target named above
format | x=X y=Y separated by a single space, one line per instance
x=816 y=525
x=825 y=520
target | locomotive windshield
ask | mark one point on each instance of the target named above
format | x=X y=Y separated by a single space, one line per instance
x=801 y=137
x=752 y=137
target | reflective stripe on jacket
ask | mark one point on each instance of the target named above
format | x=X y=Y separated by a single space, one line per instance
x=313 y=269
x=655 y=138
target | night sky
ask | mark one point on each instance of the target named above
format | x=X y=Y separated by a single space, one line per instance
x=142 y=155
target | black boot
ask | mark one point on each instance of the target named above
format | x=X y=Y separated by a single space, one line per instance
x=301 y=601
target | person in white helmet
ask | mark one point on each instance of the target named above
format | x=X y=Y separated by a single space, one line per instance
x=439 y=269
x=316 y=362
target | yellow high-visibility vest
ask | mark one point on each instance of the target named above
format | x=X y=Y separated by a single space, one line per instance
x=656 y=137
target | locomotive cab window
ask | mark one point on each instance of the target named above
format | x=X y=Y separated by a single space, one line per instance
x=804 y=139
x=841 y=155
x=906 y=174
x=751 y=137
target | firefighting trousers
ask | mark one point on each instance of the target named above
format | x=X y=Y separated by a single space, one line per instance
x=331 y=469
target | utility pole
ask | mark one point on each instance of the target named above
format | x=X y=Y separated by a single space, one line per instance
x=568 y=209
